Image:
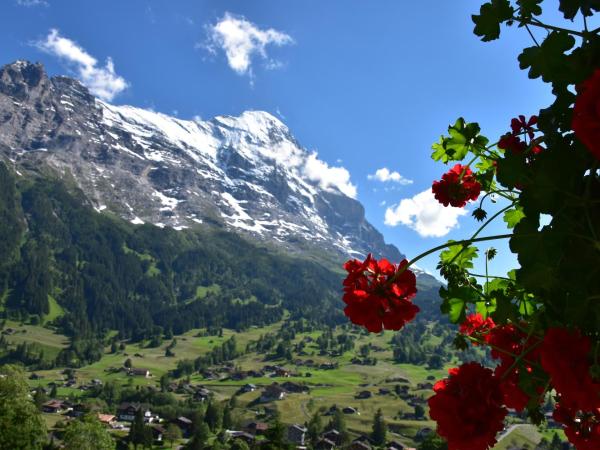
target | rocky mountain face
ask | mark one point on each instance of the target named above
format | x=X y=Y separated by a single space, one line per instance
x=247 y=173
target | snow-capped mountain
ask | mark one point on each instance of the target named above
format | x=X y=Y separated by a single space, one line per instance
x=247 y=173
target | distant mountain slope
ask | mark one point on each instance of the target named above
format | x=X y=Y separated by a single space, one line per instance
x=108 y=274
x=247 y=173
x=122 y=218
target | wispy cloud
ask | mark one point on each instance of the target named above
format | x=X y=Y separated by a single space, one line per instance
x=29 y=3
x=326 y=176
x=101 y=81
x=241 y=41
x=424 y=214
x=385 y=175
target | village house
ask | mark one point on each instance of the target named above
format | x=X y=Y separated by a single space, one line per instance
x=247 y=388
x=359 y=445
x=292 y=387
x=202 y=394
x=185 y=424
x=423 y=433
x=107 y=419
x=244 y=436
x=139 y=372
x=273 y=392
x=333 y=436
x=157 y=432
x=349 y=410
x=55 y=407
x=296 y=434
x=127 y=411
x=364 y=395
x=324 y=444
x=257 y=428
x=328 y=366
x=78 y=410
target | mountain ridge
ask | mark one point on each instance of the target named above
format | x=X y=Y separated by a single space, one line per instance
x=247 y=174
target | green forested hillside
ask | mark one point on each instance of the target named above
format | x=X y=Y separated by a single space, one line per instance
x=93 y=272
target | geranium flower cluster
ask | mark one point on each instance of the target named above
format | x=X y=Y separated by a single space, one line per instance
x=586 y=114
x=512 y=141
x=457 y=187
x=378 y=294
x=562 y=357
x=515 y=351
x=467 y=407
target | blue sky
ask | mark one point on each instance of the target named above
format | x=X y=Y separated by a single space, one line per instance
x=368 y=85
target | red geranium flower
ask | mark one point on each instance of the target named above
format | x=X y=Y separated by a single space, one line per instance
x=520 y=124
x=456 y=187
x=377 y=296
x=566 y=357
x=467 y=407
x=475 y=325
x=512 y=143
x=582 y=428
x=507 y=344
x=586 y=114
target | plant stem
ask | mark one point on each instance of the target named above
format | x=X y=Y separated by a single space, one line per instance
x=480 y=229
x=537 y=23
x=453 y=243
x=477 y=275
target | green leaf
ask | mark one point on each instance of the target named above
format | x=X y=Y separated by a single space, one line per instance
x=458 y=256
x=462 y=138
x=549 y=60
x=491 y=15
x=513 y=216
x=569 y=8
x=455 y=301
x=526 y=306
x=486 y=308
x=456 y=310
x=529 y=8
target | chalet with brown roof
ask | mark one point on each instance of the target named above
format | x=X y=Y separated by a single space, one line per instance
x=139 y=372
x=257 y=428
x=273 y=392
x=54 y=406
x=107 y=419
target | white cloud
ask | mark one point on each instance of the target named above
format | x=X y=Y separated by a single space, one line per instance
x=320 y=172
x=385 y=175
x=101 y=81
x=424 y=214
x=32 y=3
x=240 y=39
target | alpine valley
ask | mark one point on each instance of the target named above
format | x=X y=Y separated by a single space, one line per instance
x=180 y=282
x=118 y=215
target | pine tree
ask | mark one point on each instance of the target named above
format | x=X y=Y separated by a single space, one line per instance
x=138 y=429
x=214 y=416
x=21 y=424
x=314 y=428
x=379 y=429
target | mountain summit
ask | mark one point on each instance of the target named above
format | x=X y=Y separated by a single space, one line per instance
x=247 y=173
